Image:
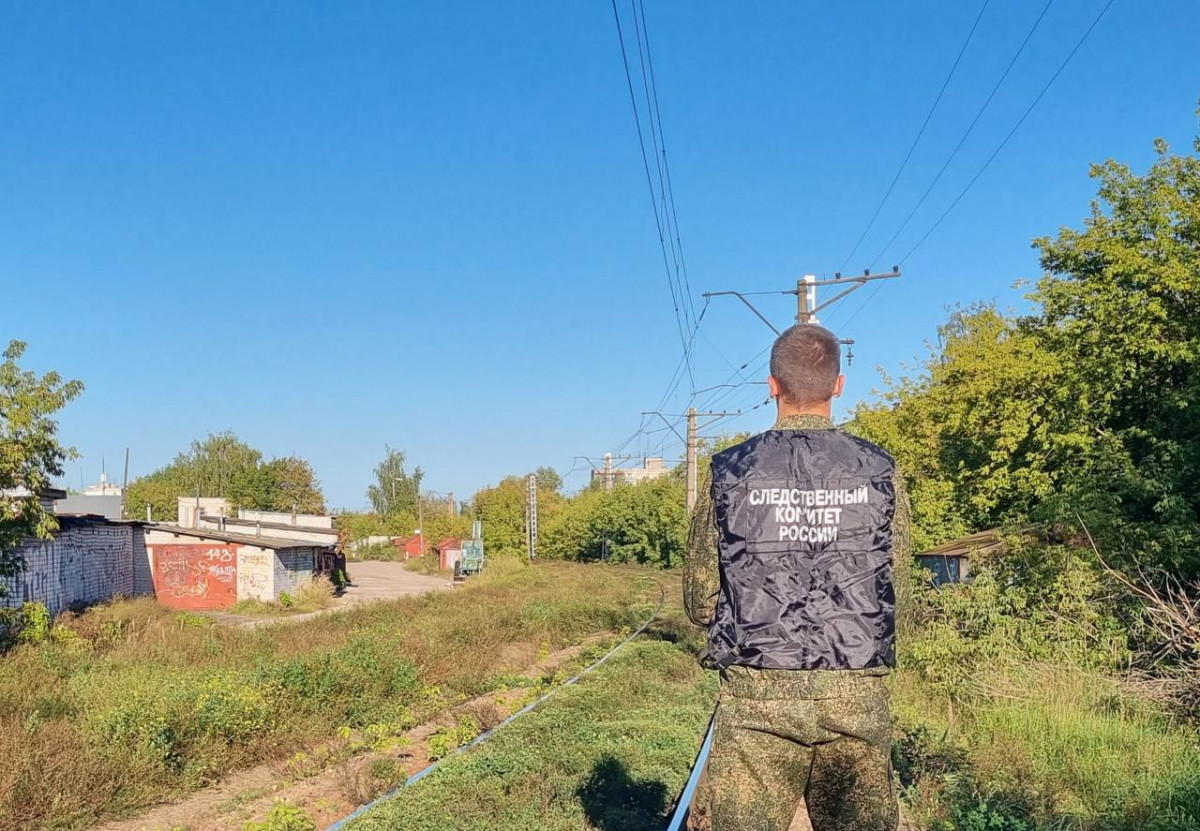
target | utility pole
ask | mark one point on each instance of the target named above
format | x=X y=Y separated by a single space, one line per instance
x=125 y=483
x=693 y=447
x=531 y=517
x=692 y=441
x=421 y=521
x=608 y=474
x=693 y=451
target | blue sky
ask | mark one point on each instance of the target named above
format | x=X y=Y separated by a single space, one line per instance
x=328 y=227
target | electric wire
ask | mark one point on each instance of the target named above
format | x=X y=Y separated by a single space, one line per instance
x=1013 y=131
x=655 y=133
x=921 y=132
x=987 y=163
x=667 y=166
x=970 y=128
x=649 y=182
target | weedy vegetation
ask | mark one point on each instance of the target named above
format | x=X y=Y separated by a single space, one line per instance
x=612 y=752
x=129 y=704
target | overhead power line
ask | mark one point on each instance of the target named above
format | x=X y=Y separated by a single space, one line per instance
x=917 y=140
x=1014 y=129
x=679 y=322
x=966 y=133
x=987 y=163
x=666 y=166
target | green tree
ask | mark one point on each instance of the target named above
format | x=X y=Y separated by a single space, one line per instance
x=1086 y=405
x=1121 y=304
x=357 y=525
x=395 y=491
x=549 y=480
x=985 y=433
x=225 y=466
x=30 y=453
x=441 y=523
x=294 y=486
x=502 y=508
x=645 y=523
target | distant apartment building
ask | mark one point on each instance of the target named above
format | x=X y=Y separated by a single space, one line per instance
x=103 y=487
x=653 y=467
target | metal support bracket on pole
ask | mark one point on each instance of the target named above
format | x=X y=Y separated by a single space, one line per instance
x=806 y=294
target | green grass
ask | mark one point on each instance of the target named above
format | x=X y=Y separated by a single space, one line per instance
x=253 y=607
x=612 y=752
x=1049 y=747
x=130 y=704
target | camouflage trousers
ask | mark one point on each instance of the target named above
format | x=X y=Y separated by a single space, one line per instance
x=821 y=736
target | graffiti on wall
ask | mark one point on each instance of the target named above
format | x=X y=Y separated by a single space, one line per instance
x=255 y=569
x=196 y=576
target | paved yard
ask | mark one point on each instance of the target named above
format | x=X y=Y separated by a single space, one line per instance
x=371 y=581
x=374 y=580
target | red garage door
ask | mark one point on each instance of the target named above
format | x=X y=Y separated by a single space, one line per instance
x=196 y=576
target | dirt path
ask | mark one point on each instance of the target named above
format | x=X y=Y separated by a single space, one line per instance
x=330 y=781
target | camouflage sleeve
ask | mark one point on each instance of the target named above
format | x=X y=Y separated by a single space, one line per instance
x=701 y=575
x=902 y=561
x=902 y=524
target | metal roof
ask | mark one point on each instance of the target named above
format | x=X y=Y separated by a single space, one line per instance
x=275 y=543
x=24 y=493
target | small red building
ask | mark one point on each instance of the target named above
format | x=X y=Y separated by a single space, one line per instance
x=411 y=546
x=449 y=552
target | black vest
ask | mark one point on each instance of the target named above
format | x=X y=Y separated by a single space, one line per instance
x=805 y=522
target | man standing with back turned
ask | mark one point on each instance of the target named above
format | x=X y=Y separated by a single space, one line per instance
x=789 y=565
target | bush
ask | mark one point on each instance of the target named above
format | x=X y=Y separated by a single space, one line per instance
x=315 y=595
x=28 y=623
x=1038 y=603
x=35 y=623
x=428 y=565
x=448 y=739
x=384 y=551
x=283 y=817
x=128 y=704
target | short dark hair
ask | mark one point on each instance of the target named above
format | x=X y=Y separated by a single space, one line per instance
x=806 y=361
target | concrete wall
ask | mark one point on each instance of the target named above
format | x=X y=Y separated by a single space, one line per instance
x=284 y=518
x=86 y=562
x=208 y=505
x=196 y=575
x=256 y=574
x=91 y=561
x=367 y=542
x=108 y=506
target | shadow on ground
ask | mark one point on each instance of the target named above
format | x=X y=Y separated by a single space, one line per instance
x=614 y=801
